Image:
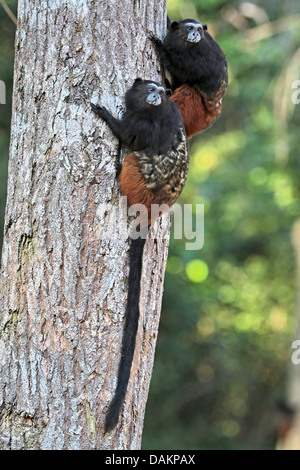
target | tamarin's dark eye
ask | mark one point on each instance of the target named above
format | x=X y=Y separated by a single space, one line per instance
x=190 y=28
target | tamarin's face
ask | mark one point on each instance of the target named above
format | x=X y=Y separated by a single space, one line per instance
x=145 y=93
x=190 y=31
x=155 y=94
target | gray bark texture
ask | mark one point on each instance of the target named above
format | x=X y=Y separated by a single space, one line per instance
x=63 y=282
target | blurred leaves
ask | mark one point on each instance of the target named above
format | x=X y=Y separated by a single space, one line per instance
x=228 y=311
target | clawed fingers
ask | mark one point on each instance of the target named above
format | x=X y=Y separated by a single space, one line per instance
x=95 y=107
x=154 y=38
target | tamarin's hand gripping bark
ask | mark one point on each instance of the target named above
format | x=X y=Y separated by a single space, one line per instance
x=198 y=69
x=153 y=173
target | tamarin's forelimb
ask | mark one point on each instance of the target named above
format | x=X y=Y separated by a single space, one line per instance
x=161 y=51
x=116 y=125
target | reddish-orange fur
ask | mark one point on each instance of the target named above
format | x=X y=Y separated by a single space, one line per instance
x=133 y=185
x=197 y=112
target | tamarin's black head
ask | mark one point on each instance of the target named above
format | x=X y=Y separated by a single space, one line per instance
x=192 y=56
x=146 y=94
x=187 y=31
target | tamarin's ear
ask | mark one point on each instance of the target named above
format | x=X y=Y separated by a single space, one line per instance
x=205 y=27
x=138 y=80
x=169 y=92
x=169 y=22
x=174 y=25
x=167 y=83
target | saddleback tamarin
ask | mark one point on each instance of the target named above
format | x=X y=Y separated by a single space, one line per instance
x=198 y=69
x=153 y=172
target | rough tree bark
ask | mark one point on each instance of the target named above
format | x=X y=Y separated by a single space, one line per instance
x=63 y=285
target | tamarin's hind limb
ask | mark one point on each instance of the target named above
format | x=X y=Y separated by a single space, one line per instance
x=197 y=111
x=134 y=185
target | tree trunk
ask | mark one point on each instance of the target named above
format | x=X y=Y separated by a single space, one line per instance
x=63 y=281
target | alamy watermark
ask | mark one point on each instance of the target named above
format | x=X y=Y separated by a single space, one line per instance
x=121 y=222
x=296 y=94
x=2 y=92
x=296 y=354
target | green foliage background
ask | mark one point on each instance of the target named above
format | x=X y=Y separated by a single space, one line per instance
x=227 y=322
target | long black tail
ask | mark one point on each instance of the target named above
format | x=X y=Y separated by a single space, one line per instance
x=130 y=330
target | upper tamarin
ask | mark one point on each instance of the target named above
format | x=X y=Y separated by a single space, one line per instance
x=153 y=173
x=198 y=69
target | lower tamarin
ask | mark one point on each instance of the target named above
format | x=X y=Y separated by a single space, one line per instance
x=154 y=172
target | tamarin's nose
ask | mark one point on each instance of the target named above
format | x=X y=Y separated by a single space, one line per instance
x=154 y=99
x=194 y=36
